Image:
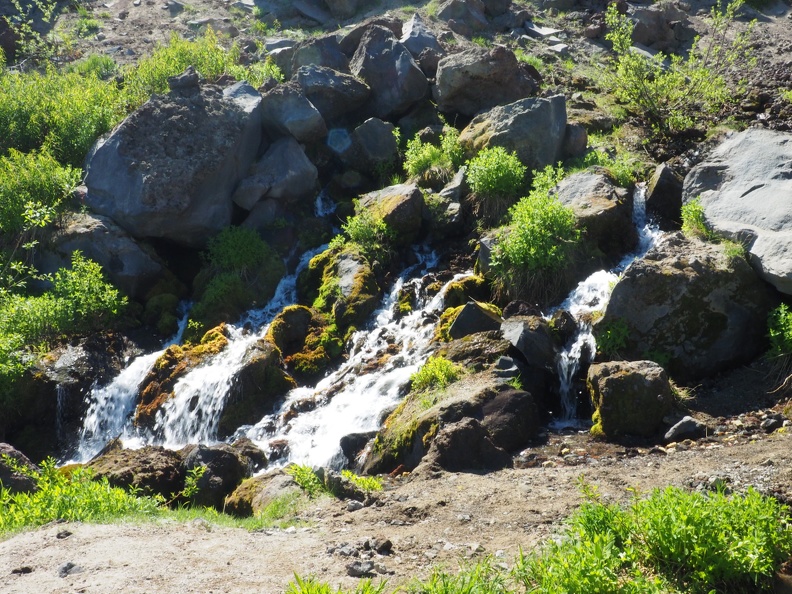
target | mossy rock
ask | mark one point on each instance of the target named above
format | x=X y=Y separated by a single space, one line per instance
x=157 y=387
x=444 y=323
x=474 y=287
x=322 y=347
x=256 y=389
x=341 y=283
x=290 y=328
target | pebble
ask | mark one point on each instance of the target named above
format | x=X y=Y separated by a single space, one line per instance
x=63 y=534
x=354 y=505
x=22 y=570
x=68 y=568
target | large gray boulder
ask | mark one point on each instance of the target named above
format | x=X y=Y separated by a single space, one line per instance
x=660 y=26
x=477 y=79
x=533 y=128
x=10 y=477
x=468 y=13
x=417 y=37
x=286 y=111
x=533 y=337
x=324 y=51
x=333 y=93
x=126 y=263
x=745 y=187
x=602 y=209
x=376 y=144
x=342 y=9
x=691 y=306
x=284 y=173
x=169 y=169
x=629 y=397
x=390 y=71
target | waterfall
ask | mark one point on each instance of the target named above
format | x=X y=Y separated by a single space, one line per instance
x=367 y=385
x=590 y=296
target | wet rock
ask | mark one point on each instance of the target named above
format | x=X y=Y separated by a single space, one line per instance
x=255 y=389
x=690 y=303
x=664 y=198
x=477 y=79
x=473 y=318
x=168 y=170
x=352 y=445
x=532 y=128
x=743 y=185
x=533 y=337
x=390 y=71
x=603 y=210
x=630 y=397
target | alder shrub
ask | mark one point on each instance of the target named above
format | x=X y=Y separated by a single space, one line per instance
x=497 y=179
x=420 y=157
x=672 y=93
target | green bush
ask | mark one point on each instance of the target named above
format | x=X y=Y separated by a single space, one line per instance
x=205 y=54
x=311 y=585
x=779 y=330
x=538 y=241
x=61 y=112
x=239 y=250
x=496 y=173
x=612 y=337
x=436 y=373
x=307 y=480
x=103 y=67
x=671 y=541
x=368 y=232
x=33 y=188
x=367 y=484
x=74 y=497
x=672 y=93
x=421 y=157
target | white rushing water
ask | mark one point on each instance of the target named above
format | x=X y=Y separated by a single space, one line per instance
x=364 y=387
x=590 y=296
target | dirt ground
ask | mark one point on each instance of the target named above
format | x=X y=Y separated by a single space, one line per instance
x=432 y=519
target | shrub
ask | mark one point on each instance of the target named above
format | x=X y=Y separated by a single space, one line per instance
x=779 y=330
x=33 y=188
x=421 y=157
x=671 y=539
x=671 y=93
x=494 y=173
x=312 y=586
x=368 y=232
x=612 y=337
x=307 y=480
x=436 y=373
x=367 y=484
x=61 y=112
x=694 y=223
x=205 y=54
x=103 y=67
x=538 y=241
x=239 y=250
x=74 y=497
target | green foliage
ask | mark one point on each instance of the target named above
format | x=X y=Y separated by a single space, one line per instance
x=239 y=250
x=623 y=166
x=307 y=480
x=672 y=93
x=694 y=223
x=205 y=54
x=86 y=25
x=80 y=301
x=672 y=539
x=60 y=112
x=612 y=337
x=496 y=173
x=787 y=95
x=280 y=512
x=481 y=577
x=530 y=59
x=367 y=484
x=779 y=330
x=75 y=497
x=420 y=157
x=33 y=46
x=538 y=240
x=313 y=586
x=369 y=232
x=436 y=373
x=33 y=187
x=103 y=67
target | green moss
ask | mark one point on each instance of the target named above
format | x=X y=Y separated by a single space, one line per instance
x=444 y=323
x=160 y=313
x=472 y=287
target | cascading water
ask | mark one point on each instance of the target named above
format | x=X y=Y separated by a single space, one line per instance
x=369 y=383
x=592 y=295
